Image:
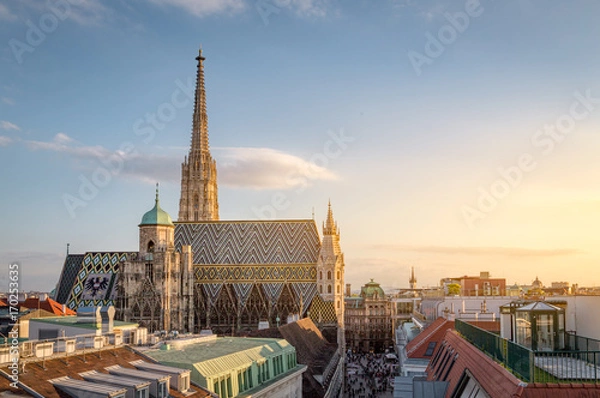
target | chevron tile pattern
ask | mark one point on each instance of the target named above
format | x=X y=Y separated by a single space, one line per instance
x=250 y=242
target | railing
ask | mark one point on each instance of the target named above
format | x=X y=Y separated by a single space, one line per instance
x=577 y=343
x=516 y=358
x=576 y=366
x=567 y=366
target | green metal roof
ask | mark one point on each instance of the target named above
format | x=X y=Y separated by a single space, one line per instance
x=73 y=321
x=157 y=216
x=370 y=288
x=221 y=356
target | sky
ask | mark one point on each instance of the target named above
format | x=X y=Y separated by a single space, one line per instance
x=450 y=136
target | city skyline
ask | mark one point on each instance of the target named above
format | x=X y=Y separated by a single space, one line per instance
x=450 y=137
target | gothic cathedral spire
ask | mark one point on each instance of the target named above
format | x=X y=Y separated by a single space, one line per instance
x=199 y=200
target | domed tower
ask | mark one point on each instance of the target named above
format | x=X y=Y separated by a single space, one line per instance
x=155 y=285
x=157 y=231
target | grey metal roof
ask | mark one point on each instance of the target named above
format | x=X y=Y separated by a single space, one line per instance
x=95 y=376
x=87 y=386
x=143 y=365
x=135 y=373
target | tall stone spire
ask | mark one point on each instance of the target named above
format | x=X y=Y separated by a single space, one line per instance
x=330 y=226
x=330 y=271
x=199 y=196
x=413 y=280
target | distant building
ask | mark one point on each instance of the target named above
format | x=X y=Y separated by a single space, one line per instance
x=368 y=320
x=482 y=285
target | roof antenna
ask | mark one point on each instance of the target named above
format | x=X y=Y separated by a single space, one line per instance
x=313 y=212
x=68 y=244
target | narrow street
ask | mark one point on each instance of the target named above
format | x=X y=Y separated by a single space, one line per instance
x=368 y=376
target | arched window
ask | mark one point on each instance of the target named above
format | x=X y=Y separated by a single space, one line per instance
x=328 y=288
x=338 y=303
x=338 y=275
x=328 y=274
x=320 y=288
x=196 y=207
x=337 y=290
x=150 y=248
x=320 y=274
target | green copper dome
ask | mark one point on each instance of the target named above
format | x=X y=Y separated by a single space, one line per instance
x=370 y=289
x=157 y=216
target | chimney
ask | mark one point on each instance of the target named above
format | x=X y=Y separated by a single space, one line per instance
x=108 y=317
x=64 y=309
x=348 y=290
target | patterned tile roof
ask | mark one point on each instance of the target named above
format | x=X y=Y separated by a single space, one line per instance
x=250 y=242
x=90 y=279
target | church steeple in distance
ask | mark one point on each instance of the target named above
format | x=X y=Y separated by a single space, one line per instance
x=199 y=199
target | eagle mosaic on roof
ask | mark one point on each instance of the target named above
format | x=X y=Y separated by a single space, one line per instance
x=250 y=242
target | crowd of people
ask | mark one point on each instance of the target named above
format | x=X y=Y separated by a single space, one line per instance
x=369 y=375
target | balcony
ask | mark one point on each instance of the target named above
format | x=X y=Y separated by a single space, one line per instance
x=578 y=363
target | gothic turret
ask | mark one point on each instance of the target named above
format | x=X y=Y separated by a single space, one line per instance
x=330 y=264
x=199 y=199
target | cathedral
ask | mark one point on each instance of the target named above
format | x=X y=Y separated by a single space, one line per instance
x=204 y=273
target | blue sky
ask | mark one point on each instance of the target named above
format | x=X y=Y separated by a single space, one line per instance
x=455 y=137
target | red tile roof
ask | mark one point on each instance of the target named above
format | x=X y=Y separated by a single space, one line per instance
x=435 y=332
x=538 y=390
x=447 y=366
x=38 y=374
x=456 y=355
x=48 y=305
x=490 y=326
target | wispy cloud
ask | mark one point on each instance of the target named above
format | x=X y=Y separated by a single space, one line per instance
x=205 y=7
x=4 y=140
x=254 y=168
x=8 y=101
x=265 y=168
x=6 y=125
x=6 y=14
x=83 y=12
x=310 y=8
x=480 y=251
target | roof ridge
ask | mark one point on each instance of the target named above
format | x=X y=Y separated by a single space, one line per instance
x=433 y=331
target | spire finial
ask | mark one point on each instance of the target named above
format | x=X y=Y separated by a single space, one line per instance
x=157 y=193
x=330 y=227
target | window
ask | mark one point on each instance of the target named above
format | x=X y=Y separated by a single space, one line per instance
x=150 y=247
x=320 y=288
x=469 y=387
x=142 y=393
x=430 y=349
x=150 y=272
x=328 y=288
x=337 y=289
x=338 y=275
x=320 y=274
x=162 y=390
x=328 y=274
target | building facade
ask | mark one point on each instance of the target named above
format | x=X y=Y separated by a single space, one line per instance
x=368 y=320
x=200 y=272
